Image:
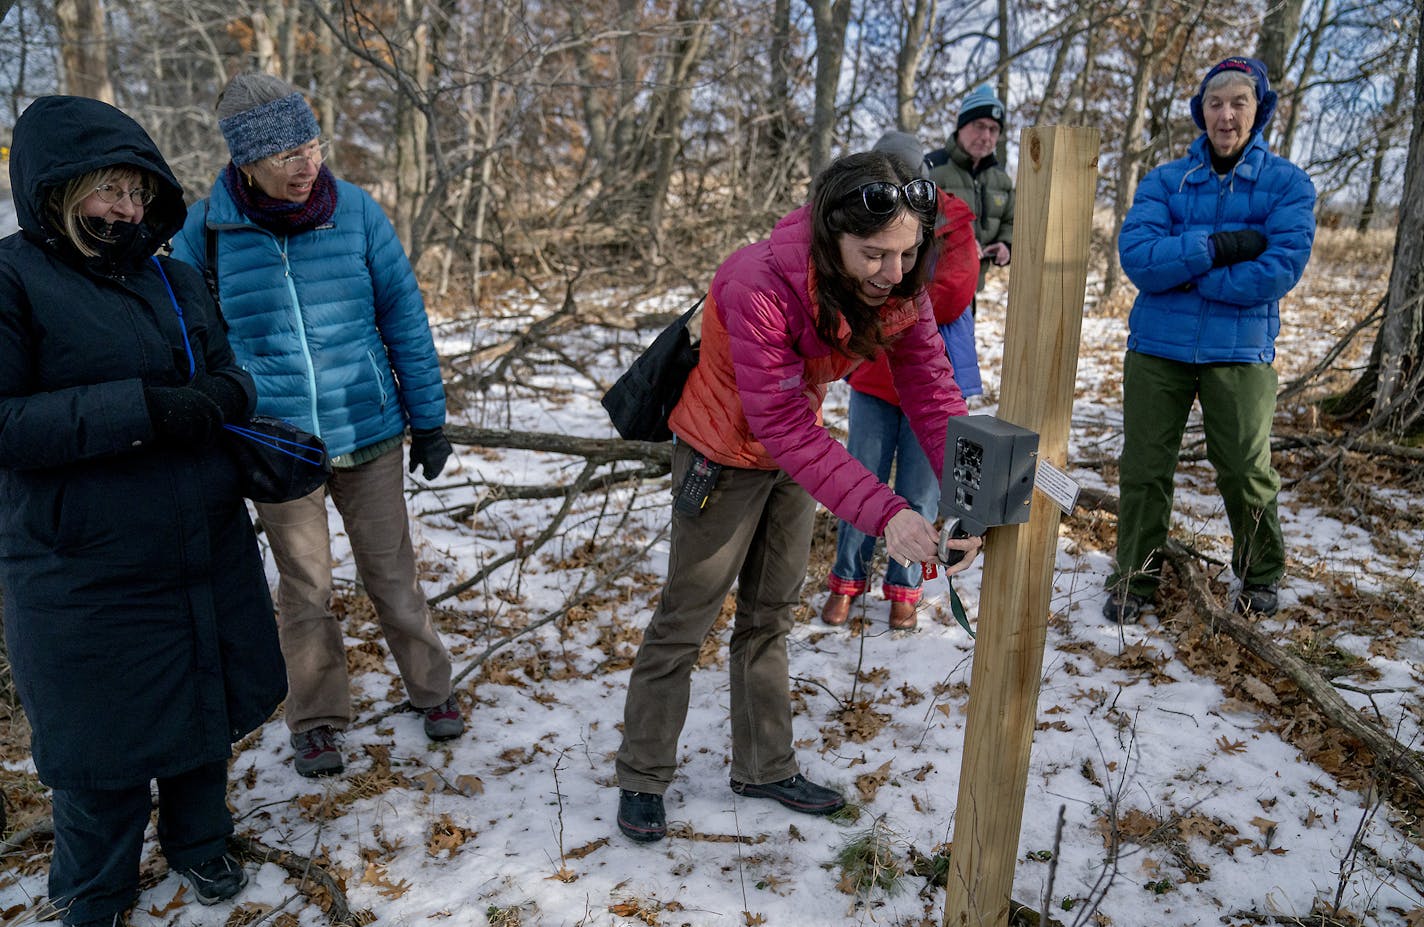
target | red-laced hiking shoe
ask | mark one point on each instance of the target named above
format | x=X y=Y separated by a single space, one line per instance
x=641 y=816
x=444 y=721
x=317 y=752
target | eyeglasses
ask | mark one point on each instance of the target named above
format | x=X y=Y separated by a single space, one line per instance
x=315 y=152
x=882 y=197
x=110 y=194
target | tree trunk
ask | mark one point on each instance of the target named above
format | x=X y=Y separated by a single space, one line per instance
x=1129 y=167
x=412 y=127
x=1278 y=34
x=1294 y=99
x=831 y=19
x=692 y=24
x=913 y=39
x=1383 y=141
x=1402 y=333
x=84 y=49
x=779 y=95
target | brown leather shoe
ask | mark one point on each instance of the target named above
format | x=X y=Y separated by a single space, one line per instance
x=902 y=616
x=837 y=610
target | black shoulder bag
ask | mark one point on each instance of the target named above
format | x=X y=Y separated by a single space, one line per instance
x=276 y=460
x=640 y=402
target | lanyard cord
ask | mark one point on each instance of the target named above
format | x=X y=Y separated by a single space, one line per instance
x=182 y=325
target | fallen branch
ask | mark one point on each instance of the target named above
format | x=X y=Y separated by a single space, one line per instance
x=1394 y=756
x=305 y=870
x=597 y=450
x=497 y=493
x=41 y=828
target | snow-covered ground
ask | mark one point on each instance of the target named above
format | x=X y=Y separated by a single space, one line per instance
x=1223 y=820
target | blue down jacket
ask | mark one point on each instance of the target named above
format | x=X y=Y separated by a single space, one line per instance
x=139 y=626
x=330 y=322
x=1187 y=310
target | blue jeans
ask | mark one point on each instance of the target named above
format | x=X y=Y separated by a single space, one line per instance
x=880 y=435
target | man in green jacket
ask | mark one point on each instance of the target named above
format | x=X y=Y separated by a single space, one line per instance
x=968 y=168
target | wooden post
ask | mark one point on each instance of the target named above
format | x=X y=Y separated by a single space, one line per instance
x=1052 y=228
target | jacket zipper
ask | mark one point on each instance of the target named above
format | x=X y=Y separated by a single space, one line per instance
x=301 y=333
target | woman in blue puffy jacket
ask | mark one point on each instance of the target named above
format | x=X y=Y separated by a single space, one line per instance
x=325 y=314
x=1213 y=241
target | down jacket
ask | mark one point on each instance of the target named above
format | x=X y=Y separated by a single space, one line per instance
x=140 y=630
x=951 y=290
x=754 y=398
x=1186 y=309
x=329 y=322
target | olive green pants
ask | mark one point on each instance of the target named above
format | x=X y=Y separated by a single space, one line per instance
x=1238 y=402
x=755 y=531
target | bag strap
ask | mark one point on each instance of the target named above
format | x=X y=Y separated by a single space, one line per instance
x=210 y=259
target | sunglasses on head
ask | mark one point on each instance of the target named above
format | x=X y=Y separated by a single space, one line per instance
x=882 y=197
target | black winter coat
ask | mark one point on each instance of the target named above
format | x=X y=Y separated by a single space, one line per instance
x=137 y=615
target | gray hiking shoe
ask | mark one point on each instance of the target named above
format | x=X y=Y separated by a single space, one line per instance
x=317 y=752
x=444 y=721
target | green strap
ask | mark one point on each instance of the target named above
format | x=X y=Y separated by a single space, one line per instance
x=956 y=606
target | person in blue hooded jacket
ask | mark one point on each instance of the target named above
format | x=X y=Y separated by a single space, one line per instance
x=325 y=313
x=137 y=618
x=1212 y=241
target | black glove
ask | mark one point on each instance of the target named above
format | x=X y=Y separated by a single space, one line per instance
x=181 y=415
x=429 y=450
x=230 y=398
x=1235 y=247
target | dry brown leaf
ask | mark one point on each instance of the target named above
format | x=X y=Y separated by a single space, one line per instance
x=587 y=848
x=376 y=875
x=1264 y=825
x=469 y=785
x=870 y=783
x=174 y=904
x=1259 y=691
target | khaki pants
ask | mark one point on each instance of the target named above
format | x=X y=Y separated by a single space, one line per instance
x=371 y=500
x=756 y=531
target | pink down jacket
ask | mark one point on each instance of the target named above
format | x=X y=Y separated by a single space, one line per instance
x=754 y=399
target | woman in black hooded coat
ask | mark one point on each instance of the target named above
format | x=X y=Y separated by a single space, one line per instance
x=137 y=614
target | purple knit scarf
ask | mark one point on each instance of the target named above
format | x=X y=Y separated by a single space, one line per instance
x=283 y=217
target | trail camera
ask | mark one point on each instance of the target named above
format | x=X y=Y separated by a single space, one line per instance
x=989 y=468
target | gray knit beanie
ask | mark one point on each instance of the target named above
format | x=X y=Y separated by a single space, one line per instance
x=904 y=146
x=261 y=115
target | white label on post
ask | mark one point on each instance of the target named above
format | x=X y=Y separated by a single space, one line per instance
x=1057 y=486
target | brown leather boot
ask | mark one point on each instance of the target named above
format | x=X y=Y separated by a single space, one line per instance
x=836 y=611
x=902 y=616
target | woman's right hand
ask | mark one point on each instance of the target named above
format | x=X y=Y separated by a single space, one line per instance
x=909 y=538
x=181 y=415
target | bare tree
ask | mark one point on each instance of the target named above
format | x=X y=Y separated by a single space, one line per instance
x=84 y=48
x=1401 y=355
x=831 y=18
x=914 y=36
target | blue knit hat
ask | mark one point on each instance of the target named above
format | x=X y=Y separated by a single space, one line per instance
x=1250 y=67
x=980 y=103
x=273 y=127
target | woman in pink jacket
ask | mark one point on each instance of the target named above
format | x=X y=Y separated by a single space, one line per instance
x=839 y=281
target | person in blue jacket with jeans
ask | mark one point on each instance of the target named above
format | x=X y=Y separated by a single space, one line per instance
x=1212 y=241
x=325 y=314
